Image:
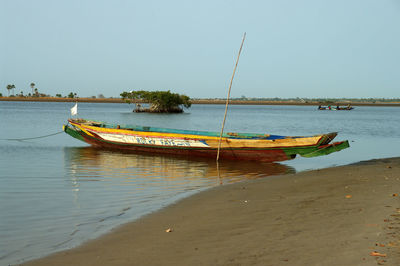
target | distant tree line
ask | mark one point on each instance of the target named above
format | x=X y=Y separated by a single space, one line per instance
x=312 y=100
x=35 y=92
x=165 y=101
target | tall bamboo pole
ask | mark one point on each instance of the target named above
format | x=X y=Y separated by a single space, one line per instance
x=227 y=98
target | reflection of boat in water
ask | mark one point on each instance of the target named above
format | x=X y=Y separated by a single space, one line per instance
x=92 y=162
x=236 y=146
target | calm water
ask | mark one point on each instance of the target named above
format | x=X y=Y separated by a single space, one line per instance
x=57 y=192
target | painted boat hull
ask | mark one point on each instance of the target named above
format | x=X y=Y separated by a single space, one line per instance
x=234 y=146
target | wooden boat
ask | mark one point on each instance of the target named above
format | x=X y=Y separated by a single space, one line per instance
x=347 y=108
x=337 y=108
x=236 y=146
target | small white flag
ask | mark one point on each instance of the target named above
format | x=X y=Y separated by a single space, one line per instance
x=74 y=110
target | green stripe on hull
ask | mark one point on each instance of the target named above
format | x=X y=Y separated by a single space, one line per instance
x=320 y=151
x=315 y=151
x=73 y=133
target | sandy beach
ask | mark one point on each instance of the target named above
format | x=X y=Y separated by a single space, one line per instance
x=347 y=215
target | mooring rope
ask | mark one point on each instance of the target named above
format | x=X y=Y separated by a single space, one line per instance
x=39 y=137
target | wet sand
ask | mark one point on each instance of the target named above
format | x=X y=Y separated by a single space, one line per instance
x=348 y=215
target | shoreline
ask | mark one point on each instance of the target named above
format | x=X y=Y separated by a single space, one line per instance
x=332 y=216
x=199 y=101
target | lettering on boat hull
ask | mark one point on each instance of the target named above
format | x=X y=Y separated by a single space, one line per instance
x=128 y=139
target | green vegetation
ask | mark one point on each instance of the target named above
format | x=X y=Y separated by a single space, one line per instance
x=72 y=95
x=160 y=101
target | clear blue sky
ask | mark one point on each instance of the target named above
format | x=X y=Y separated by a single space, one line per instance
x=308 y=48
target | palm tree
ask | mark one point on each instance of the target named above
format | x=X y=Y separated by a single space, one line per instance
x=10 y=87
x=32 y=86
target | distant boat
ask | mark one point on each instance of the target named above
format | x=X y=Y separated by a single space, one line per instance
x=338 y=108
x=234 y=146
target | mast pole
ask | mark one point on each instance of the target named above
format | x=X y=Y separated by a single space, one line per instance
x=227 y=98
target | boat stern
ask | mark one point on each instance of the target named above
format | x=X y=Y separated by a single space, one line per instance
x=327 y=149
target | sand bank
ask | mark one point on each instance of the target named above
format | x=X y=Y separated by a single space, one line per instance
x=335 y=216
x=194 y=101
